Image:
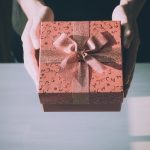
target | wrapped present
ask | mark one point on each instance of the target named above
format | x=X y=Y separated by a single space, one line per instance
x=80 y=66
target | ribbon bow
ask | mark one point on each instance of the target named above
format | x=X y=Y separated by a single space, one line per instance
x=77 y=55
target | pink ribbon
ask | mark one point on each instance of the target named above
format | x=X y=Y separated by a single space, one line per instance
x=77 y=54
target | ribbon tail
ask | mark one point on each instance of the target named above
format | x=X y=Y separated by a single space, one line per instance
x=94 y=64
x=80 y=85
x=68 y=67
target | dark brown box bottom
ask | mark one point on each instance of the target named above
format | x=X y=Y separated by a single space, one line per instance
x=81 y=107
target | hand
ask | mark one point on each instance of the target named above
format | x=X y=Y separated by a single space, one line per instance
x=130 y=41
x=124 y=14
x=31 y=40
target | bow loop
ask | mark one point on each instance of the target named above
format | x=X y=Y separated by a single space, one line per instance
x=65 y=43
x=90 y=43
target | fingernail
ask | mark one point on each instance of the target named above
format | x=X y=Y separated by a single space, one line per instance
x=36 y=44
x=36 y=84
x=37 y=87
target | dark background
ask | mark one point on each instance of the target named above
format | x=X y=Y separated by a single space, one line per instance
x=144 y=28
x=10 y=44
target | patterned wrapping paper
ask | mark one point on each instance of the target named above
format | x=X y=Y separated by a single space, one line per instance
x=105 y=89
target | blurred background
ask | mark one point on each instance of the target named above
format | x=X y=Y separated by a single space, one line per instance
x=11 y=46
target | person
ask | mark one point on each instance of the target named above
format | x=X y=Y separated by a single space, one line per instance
x=126 y=11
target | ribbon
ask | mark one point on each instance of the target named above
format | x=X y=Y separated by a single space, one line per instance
x=75 y=66
x=77 y=55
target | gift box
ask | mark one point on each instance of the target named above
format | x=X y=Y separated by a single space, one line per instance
x=80 y=64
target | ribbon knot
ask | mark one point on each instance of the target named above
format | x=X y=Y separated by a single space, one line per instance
x=81 y=55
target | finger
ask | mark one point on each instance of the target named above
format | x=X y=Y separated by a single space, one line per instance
x=127 y=35
x=130 y=56
x=29 y=54
x=32 y=69
x=34 y=34
x=26 y=30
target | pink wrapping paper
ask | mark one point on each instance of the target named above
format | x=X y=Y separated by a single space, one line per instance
x=105 y=88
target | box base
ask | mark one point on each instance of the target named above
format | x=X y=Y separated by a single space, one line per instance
x=81 y=107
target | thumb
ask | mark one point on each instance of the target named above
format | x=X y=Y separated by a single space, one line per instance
x=35 y=34
x=127 y=35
